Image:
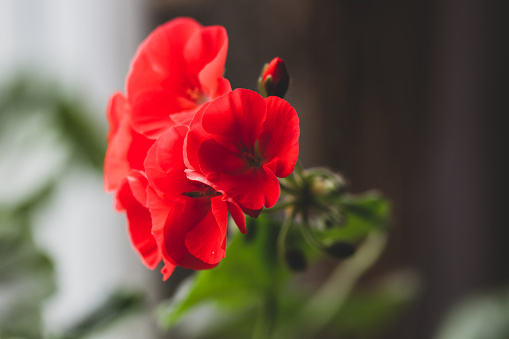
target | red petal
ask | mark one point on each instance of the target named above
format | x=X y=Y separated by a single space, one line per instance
x=152 y=111
x=165 y=167
x=172 y=221
x=207 y=240
x=252 y=189
x=236 y=116
x=237 y=215
x=280 y=137
x=159 y=56
x=219 y=158
x=167 y=270
x=126 y=149
x=206 y=54
x=223 y=86
x=140 y=225
x=174 y=71
x=138 y=184
x=119 y=137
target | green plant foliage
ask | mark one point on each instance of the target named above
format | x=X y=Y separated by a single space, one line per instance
x=26 y=273
x=117 y=306
x=369 y=309
x=362 y=214
x=484 y=316
x=249 y=272
x=68 y=116
x=258 y=299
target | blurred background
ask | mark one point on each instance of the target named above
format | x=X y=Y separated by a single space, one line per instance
x=407 y=97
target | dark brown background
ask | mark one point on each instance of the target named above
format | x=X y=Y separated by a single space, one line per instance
x=408 y=97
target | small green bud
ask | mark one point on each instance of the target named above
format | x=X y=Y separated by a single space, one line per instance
x=340 y=250
x=295 y=260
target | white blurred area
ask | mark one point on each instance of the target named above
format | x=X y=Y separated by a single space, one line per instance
x=86 y=46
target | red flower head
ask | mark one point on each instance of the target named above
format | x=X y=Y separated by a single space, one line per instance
x=189 y=217
x=176 y=69
x=240 y=143
x=274 y=79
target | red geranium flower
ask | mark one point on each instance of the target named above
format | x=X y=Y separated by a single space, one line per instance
x=176 y=69
x=240 y=143
x=189 y=218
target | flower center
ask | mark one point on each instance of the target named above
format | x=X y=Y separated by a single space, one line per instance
x=202 y=192
x=196 y=95
x=252 y=158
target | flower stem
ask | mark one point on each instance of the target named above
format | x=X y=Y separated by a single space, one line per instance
x=281 y=239
x=266 y=317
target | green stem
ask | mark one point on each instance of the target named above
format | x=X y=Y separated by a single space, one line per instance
x=266 y=317
x=281 y=239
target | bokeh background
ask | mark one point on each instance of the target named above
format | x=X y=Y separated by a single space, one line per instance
x=408 y=97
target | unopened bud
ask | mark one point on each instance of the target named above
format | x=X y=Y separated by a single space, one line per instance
x=341 y=250
x=295 y=260
x=274 y=79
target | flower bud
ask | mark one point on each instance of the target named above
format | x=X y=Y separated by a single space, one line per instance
x=341 y=250
x=295 y=260
x=274 y=79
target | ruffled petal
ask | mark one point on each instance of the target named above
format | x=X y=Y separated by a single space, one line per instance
x=206 y=54
x=126 y=148
x=237 y=215
x=215 y=157
x=172 y=221
x=119 y=137
x=280 y=137
x=164 y=164
x=207 y=240
x=237 y=116
x=140 y=225
x=159 y=57
x=175 y=70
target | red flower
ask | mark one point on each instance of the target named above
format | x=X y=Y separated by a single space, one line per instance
x=189 y=218
x=240 y=143
x=176 y=69
x=184 y=150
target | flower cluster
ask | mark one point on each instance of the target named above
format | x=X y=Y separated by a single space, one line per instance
x=184 y=150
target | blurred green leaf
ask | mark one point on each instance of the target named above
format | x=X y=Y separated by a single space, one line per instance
x=248 y=273
x=484 y=316
x=362 y=215
x=119 y=304
x=87 y=139
x=26 y=278
x=370 y=309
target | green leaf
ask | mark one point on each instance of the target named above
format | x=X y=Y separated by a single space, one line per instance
x=118 y=305
x=26 y=278
x=82 y=133
x=484 y=316
x=368 y=310
x=249 y=272
x=362 y=214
